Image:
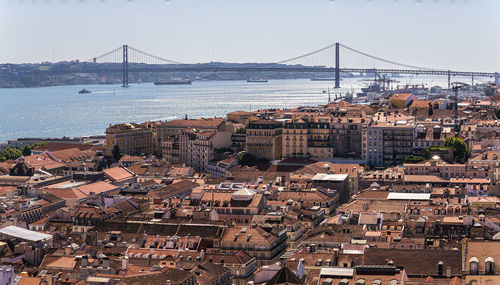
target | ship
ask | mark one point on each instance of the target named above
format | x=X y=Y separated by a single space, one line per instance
x=174 y=82
x=84 y=91
x=372 y=88
x=257 y=80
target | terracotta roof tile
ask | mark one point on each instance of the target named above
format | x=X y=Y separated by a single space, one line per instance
x=118 y=173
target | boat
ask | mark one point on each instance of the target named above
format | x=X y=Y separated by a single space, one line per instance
x=174 y=82
x=84 y=91
x=257 y=80
x=348 y=97
x=372 y=88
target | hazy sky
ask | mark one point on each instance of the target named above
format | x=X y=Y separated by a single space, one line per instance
x=459 y=34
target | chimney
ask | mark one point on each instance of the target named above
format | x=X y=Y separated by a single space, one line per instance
x=125 y=263
x=50 y=279
x=67 y=250
x=85 y=261
x=202 y=253
x=186 y=117
x=105 y=262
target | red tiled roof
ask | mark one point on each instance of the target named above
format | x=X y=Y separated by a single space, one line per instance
x=400 y=96
x=65 y=193
x=203 y=123
x=42 y=160
x=54 y=146
x=96 y=188
x=4 y=189
x=73 y=154
x=117 y=173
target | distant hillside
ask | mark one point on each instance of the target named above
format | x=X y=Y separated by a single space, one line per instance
x=35 y=75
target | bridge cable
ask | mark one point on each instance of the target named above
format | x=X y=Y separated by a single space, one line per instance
x=154 y=56
x=105 y=54
x=389 y=61
x=305 y=55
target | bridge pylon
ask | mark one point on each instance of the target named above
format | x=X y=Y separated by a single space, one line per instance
x=125 y=66
x=337 y=65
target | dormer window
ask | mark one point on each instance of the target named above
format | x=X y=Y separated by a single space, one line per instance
x=473 y=266
x=489 y=265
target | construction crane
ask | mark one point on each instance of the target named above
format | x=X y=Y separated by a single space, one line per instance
x=455 y=86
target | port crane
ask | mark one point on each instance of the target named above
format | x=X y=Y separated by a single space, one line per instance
x=382 y=80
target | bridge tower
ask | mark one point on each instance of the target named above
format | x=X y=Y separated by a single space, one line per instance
x=497 y=79
x=449 y=79
x=337 y=66
x=125 y=66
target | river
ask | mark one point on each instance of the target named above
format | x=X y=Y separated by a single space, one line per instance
x=60 y=111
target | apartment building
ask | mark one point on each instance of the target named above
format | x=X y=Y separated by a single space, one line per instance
x=431 y=134
x=174 y=140
x=264 y=139
x=265 y=246
x=388 y=143
x=197 y=148
x=131 y=138
x=323 y=137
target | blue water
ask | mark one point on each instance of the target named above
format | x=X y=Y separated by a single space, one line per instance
x=61 y=111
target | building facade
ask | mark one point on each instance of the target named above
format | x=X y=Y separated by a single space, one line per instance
x=132 y=139
x=264 y=139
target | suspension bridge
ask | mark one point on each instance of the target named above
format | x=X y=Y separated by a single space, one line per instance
x=335 y=59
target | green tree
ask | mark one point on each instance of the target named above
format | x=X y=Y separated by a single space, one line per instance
x=241 y=131
x=461 y=152
x=245 y=158
x=116 y=152
x=10 y=153
x=26 y=150
x=413 y=159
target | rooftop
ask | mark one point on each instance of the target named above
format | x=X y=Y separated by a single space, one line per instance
x=25 y=234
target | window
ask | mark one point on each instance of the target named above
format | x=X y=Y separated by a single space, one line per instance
x=473 y=266
x=489 y=266
x=440 y=268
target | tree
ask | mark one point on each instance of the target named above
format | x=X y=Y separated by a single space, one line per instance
x=413 y=159
x=241 y=131
x=245 y=158
x=26 y=150
x=461 y=152
x=10 y=153
x=116 y=152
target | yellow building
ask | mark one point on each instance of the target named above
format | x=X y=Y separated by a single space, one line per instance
x=483 y=202
x=132 y=139
x=308 y=137
x=402 y=100
x=241 y=117
x=295 y=139
x=264 y=139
